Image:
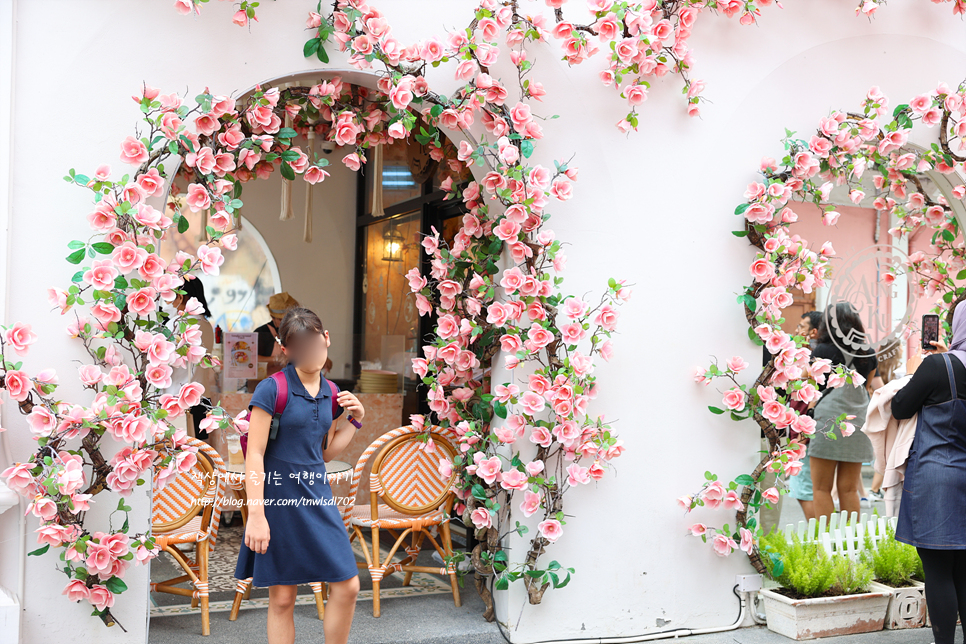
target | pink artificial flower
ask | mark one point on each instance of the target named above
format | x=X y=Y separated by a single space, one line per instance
x=481 y=518
x=550 y=529
x=133 y=151
x=723 y=544
x=531 y=503
x=747 y=540
x=20 y=337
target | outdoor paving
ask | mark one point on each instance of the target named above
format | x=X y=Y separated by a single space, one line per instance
x=433 y=619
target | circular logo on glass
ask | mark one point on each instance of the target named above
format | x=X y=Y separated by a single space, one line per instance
x=865 y=287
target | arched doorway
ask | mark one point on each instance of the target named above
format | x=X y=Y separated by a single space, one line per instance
x=341 y=247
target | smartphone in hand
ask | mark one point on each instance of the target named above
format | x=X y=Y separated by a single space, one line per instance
x=930 y=331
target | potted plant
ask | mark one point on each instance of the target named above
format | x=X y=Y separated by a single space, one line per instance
x=894 y=564
x=819 y=595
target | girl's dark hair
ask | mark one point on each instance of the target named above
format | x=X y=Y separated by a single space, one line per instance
x=193 y=288
x=298 y=321
x=850 y=330
x=847 y=320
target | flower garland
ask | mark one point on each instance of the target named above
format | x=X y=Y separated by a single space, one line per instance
x=844 y=147
x=642 y=41
x=869 y=7
x=242 y=17
x=534 y=323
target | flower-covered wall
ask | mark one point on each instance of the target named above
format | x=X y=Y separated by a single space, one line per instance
x=652 y=206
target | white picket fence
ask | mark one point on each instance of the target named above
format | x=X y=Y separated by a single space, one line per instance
x=846 y=535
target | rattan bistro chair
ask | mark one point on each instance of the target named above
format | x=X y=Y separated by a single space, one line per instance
x=415 y=499
x=187 y=511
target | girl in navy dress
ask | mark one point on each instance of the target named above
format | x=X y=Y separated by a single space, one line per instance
x=296 y=536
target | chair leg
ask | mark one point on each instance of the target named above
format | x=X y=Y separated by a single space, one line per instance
x=375 y=582
x=317 y=587
x=203 y=590
x=417 y=546
x=194 y=600
x=242 y=588
x=448 y=547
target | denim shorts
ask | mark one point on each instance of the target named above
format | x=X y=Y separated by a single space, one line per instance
x=800 y=485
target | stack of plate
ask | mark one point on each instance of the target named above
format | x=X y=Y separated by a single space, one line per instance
x=378 y=382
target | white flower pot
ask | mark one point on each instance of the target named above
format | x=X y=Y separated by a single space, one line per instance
x=907 y=606
x=806 y=619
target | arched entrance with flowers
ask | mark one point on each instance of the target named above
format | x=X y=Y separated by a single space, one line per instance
x=340 y=239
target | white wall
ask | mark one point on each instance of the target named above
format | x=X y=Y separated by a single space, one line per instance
x=654 y=207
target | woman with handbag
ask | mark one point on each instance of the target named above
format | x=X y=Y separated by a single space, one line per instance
x=839 y=460
x=932 y=513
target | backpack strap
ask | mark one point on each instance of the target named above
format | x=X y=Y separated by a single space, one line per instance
x=954 y=392
x=281 y=398
x=333 y=390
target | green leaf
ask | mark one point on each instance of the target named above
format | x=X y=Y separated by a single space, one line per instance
x=79 y=244
x=740 y=210
x=104 y=248
x=115 y=585
x=499 y=408
x=286 y=133
x=39 y=551
x=526 y=147
x=754 y=337
x=745 y=479
x=287 y=171
x=502 y=583
x=715 y=410
x=324 y=57
x=739 y=233
x=311 y=46
x=77 y=256
x=183 y=224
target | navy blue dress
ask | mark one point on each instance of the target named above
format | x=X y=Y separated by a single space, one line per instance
x=932 y=514
x=308 y=540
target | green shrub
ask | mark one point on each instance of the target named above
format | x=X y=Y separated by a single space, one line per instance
x=806 y=569
x=851 y=576
x=893 y=562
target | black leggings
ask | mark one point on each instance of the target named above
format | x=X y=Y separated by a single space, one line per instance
x=945 y=590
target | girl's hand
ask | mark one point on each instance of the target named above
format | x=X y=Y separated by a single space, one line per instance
x=257 y=534
x=940 y=346
x=348 y=401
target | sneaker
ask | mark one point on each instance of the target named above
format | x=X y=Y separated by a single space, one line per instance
x=865 y=503
x=876 y=496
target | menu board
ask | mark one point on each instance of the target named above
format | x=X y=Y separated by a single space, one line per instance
x=241 y=355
